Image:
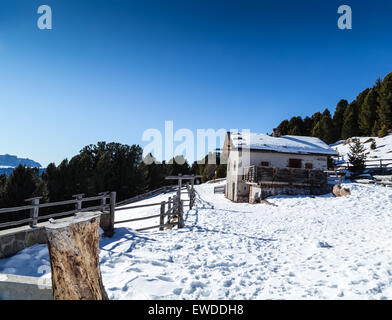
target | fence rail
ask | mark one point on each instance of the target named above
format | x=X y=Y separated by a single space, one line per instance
x=369 y=164
x=220 y=189
x=140 y=197
x=36 y=205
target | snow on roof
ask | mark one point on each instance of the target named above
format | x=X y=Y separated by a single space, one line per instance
x=286 y=144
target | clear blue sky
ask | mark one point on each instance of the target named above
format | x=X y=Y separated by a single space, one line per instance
x=111 y=69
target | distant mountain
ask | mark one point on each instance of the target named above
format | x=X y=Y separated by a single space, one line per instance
x=8 y=163
x=7 y=160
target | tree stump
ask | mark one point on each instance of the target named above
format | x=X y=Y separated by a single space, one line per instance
x=74 y=258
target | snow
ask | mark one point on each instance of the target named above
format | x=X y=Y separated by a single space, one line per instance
x=383 y=148
x=287 y=144
x=308 y=247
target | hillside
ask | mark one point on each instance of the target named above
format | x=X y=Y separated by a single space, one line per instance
x=383 y=148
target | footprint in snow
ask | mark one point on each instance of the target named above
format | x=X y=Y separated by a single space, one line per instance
x=323 y=244
x=165 y=278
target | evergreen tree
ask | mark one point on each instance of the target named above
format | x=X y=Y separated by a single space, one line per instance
x=384 y=110
x=350 y=121
x=337 y=119
x=376 y=128
x=368 y=113
x=296 y=126
x=20 y=185
x=356 y=156
x=316 y=130
x=326 y=132
x=383 y=131
x=284 y=127
x=178 y=165
x=308 y=125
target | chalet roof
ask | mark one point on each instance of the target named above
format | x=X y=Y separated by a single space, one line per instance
x=283 y=144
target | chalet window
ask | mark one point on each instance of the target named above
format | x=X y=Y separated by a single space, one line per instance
x=295 y=163
x=264 y=163
x=309 y=166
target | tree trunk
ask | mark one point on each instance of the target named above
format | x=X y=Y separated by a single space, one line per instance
x=74 y=258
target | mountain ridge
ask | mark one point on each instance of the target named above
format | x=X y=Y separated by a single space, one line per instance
x=11 y=161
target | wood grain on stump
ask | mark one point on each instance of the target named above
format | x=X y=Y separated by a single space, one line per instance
x=74 y=258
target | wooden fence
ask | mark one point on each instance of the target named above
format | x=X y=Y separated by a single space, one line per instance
x=172 y=209
x=369 y=164
x=140 y=197
x=35 y=206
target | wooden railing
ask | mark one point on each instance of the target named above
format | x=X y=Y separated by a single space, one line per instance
x=140 y=197
x=173 y=209
x=35 y=206
x=284 y=176
x=369 y=164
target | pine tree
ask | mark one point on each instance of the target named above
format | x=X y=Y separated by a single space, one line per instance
x=337 y=119
x=284 y=127
x=296 y=126
x=376 y=128
x=308 y=124
x=383 y=131
x=356 y=156
x=350 y=121
x=384 y=110
x=316 y=131
x=21 y=185
x=368 y=113
x=326 y=128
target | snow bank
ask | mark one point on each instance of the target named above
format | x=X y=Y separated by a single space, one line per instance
x=307 y=247
x=383 y=148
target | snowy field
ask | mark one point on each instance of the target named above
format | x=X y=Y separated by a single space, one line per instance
x=305 y=248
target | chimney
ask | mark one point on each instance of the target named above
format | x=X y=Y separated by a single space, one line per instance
x=276 y=133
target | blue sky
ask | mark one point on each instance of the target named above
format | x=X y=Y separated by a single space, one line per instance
x=108 y=70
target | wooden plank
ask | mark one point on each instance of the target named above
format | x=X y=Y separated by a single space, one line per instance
x=15 y=223
x=15 y=209
x=54 y=215
x=139 y=206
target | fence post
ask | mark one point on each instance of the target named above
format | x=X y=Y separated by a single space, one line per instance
x=169 y=206
x=107 y=219
x=181 y=214
x=162 y=217
x=78 y=205
x=34 y=211
x=103 y=200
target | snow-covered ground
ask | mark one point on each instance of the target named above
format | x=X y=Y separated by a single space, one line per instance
x=305 y=247
x=383 y=148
